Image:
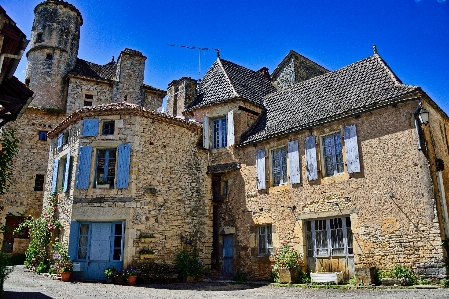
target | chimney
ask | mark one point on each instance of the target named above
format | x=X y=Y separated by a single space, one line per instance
x=264 y=72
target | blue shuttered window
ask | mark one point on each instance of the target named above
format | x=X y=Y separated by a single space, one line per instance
x=90 y=127
x=206 y=132
x=312 y=169
x=105 y=167
x=124 y=152
x=54 y=179
x=219 y=133
x=352 y=149
x=230 y=125
x=83 y=172
x=260 y=165
x=73 y=240
x=333 y=156
x=66 y=173
x=60 y=140
x=293 y=160
x=279 y=166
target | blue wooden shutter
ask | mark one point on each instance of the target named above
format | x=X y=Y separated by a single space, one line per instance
x=230 y=127
x=83 y=172
x=352 y=149
x=73 y=240
x=124 y=154
x=54 y=179
x=260 y=165
x=312 y=168
x=293 y=160
x=60 y=140
x=90 y=127
x=66 y=173
x=206 y=128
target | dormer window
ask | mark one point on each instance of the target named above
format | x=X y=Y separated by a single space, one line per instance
x=219 y=133
x=108 y=128
x=88 y=100
x=39 y=37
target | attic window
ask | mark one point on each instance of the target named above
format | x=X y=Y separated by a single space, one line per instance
x=88 y=99
x=39 y=38
x=49 y=56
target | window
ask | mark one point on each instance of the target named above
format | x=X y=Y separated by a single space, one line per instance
x=39 y=37
x=27 y=81
x=43 y=135
x=88 y=100
x=61 y=173
x=219 y=133
x=49 y=56
x=333 y=156
x=105 y=170
x=83 y=241
x=265 y=244
x=279 y=166
x=225 y=188
x=108 y=128
x=329 y=237
x=39 y=182
x=118 y=240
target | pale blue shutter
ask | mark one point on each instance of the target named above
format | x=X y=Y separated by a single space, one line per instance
x=73 y=240
x=230 y=127
x=83 y=172
x=206 y=128
x=66 y=173
x=54 y=179
x=352 y=149
x=293 y=160
x=90 y=127
x=60 y=140
x=312 y=169
x=124 y=153
x=260 y=165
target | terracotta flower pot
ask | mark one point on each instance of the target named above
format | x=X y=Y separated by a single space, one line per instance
x=131 y=280
x=65 y=276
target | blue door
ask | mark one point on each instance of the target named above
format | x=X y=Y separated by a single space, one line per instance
x=99 y=246
x=228 y=255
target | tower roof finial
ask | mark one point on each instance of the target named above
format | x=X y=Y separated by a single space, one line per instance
x=374 y=49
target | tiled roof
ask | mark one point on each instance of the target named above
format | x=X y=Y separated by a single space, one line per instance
x=226 y=80
x=92 y=70
x=358 y=87
x=291 y=54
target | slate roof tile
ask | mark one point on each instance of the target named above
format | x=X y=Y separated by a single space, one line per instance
x=226 y=80
x=92 y=70
x=351 y=89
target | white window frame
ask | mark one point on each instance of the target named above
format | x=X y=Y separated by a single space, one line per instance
x=311 y=237
x=265 y=237
x=219 y=132
x=333 y=154
x=284 y=174
x=61 y=173
x=109 y=150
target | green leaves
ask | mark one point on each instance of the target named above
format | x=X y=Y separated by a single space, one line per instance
x=8 y=151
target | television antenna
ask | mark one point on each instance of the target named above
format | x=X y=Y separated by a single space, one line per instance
x=199 y=54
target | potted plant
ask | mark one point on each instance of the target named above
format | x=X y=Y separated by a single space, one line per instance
x=146 y=254
x=109 y=273
x=189 y=265
x=146 y=238
x=287 y=261
x=130 y=275
x=119 y=277
x=103 y=184
x=65 y=269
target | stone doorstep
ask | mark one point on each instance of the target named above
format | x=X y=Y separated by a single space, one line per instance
x=350 y=286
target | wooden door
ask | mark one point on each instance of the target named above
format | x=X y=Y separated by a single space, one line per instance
x=228 y=255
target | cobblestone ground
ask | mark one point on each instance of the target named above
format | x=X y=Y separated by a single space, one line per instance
x=22 y=284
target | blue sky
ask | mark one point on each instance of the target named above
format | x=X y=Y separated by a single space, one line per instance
x=411 y=36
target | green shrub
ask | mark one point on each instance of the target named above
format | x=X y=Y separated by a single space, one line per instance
x=5 y=269
x=397 y=272
x=240 y=277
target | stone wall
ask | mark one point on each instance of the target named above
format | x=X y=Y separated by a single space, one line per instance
x=180 y=94
x=390 y=202
x=31 y=160
x=78 y=88
x=169 y=191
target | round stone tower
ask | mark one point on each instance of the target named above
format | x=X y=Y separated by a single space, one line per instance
x=53 y=51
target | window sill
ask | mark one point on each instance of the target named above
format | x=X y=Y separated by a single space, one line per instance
x=335 y=178
x=279 y=188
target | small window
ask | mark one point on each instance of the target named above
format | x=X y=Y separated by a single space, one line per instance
x=118 y=240
x=39 y=182
x=88 y=100
x=27 y=81
x=43 y=135
x=49 y=56
x=219 y=133
x=83 y=241
x=89 y=96
x=265 y=243
x=39 y=38
x=61 y=173
x=108 y=128
x=87 y=103
x=225 y=188
x=279 y=166
x=333 y=156
x=105 y=167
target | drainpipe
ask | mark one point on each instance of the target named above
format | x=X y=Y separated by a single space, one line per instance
x=415 y=115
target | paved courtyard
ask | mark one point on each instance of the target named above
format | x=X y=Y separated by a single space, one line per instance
x=23 y=284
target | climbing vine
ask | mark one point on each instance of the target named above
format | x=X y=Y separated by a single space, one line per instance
x=41 y=229
x=8 y=151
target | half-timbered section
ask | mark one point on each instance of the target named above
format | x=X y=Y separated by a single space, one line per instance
x=122 y=171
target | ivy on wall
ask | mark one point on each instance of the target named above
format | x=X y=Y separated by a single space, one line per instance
x=8 y=151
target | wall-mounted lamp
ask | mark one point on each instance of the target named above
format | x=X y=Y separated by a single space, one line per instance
x=423 y=116
x=292 y=208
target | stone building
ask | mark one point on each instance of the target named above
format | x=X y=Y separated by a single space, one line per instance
x=63 y=83
x=338 y=163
